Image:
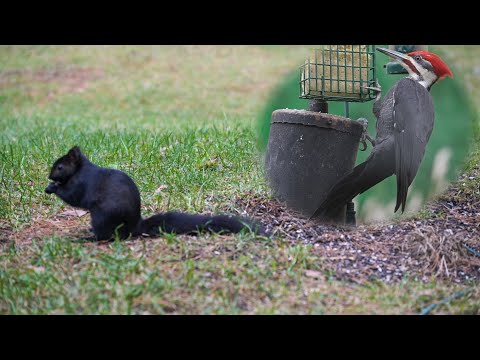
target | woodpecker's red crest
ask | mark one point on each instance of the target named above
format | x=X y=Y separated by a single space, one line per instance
x=441 y=69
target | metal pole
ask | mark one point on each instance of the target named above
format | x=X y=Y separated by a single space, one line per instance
x=318 y=105
x=350 y=214
x=347 y=110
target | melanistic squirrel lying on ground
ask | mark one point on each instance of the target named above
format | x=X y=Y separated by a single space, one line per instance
x=113 y=200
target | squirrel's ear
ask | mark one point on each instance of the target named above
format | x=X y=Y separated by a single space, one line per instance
x=74 y=154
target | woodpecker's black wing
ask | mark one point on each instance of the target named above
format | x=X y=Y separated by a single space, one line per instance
x=413 y=124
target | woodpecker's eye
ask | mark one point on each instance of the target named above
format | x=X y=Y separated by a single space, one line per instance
x=60 y=167
x=417 y=58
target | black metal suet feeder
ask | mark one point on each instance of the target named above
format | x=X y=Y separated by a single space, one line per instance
x=309 y=150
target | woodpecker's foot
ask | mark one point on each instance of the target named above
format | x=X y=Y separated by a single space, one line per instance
x=369 y=138
x=365 y=135
x=377 y=88
x=364 y=123
x=364 y=143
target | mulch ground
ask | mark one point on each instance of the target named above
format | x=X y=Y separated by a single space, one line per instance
x=445 y=246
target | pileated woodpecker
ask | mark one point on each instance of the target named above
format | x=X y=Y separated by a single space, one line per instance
x=405 y=120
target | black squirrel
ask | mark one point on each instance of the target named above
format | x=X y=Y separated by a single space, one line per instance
x=113 y=200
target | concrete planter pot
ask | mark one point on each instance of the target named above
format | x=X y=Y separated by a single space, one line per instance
x=307 y=153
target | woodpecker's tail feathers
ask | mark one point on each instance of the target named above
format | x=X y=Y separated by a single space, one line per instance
x=341 y=193
x=376 y=168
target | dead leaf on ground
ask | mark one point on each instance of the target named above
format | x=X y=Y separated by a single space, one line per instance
x=73 y=213
x=161 y=188
x=37 y=269
x=314 y=274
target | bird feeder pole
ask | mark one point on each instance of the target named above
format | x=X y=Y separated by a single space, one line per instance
x=318 y=105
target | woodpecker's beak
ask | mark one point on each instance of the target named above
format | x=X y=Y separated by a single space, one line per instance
x=395 y=54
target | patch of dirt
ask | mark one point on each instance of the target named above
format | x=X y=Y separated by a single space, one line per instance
x=65 y=80
x=419 y=249
x=64 y=224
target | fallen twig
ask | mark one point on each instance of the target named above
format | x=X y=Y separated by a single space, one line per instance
x=457 y=295
x=473 y=251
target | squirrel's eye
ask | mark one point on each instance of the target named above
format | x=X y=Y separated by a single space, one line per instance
x=60 y=167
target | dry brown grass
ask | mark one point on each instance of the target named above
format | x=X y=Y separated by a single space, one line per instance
x=44 y=85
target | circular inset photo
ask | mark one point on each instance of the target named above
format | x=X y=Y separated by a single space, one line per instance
x=366 y=133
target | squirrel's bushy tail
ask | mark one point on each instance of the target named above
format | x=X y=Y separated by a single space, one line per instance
x=183 y=223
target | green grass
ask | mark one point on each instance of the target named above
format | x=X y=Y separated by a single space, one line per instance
x=193 y=164
x=209 y=275
x=177 y=116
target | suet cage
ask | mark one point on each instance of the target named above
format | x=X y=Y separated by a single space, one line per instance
x=339 y=73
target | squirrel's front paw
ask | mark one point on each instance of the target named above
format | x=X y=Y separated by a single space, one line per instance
x=51 y=188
